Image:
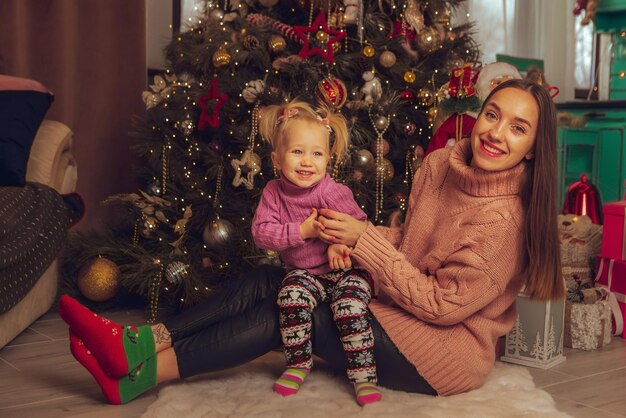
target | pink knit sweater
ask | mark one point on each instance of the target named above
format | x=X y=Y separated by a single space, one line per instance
x=453 y=270
x=281 y=210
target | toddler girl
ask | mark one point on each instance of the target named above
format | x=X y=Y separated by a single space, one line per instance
x=285 y=221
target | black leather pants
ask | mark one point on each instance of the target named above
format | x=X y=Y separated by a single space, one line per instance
x=240 y=323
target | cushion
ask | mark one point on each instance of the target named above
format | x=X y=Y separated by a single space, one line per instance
x=23 y=105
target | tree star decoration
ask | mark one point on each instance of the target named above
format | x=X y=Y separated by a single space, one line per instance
x=252 y=162
x=212 y=119
x=319 y=25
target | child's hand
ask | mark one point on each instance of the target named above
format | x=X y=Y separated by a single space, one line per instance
x=339 y=257
x=311 y=228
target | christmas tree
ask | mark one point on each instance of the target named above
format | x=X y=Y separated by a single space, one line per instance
x=203 y=164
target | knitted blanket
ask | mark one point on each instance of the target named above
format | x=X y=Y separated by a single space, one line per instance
x=33 y=228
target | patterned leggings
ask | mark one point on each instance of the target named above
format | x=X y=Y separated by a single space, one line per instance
x=349 y=294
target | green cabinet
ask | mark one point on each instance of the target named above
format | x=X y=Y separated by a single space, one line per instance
x=598 y=150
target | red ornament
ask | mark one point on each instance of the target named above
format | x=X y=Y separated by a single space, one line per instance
x=319 y=25
x=211 y=117
x=332 y=91
x=407 y=95
x=584 y=199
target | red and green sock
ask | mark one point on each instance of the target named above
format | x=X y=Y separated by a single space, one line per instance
x=367 y=393
x=117 y=390
x=119 y=349
x=290 y=381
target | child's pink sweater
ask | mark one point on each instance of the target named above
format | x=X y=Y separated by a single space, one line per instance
x=284 y=206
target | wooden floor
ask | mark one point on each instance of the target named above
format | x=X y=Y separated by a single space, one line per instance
x=40 y=378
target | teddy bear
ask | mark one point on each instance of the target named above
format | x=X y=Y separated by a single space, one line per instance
x=580 y=240
x=372 y=89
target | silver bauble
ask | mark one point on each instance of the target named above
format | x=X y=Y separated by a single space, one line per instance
x=218 y=234
x=216 y=15
x=175 y=272
x=381 y=123
x=364 y=158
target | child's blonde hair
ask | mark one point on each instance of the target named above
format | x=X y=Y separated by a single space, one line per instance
x=276 y=118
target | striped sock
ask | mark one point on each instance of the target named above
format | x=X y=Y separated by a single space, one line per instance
x=367 y=393
x=289 y=382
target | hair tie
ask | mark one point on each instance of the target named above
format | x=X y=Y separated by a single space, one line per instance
x=287 y=114
x=326 y=123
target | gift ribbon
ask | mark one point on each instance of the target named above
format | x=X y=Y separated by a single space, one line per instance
x=613 y=296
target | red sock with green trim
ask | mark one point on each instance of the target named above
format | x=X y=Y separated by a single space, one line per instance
x=117 y=390
x=119 y=349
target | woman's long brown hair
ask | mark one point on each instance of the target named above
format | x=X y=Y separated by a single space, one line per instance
x=544 y=280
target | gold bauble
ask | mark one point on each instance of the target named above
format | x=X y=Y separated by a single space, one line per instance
x=221 y=57
x=321 y=36
x=409 y=77
x=99 y=279
x=368 y=51
x=386 y=168
x=277 y=43
x=428 y=39
x=387 y=59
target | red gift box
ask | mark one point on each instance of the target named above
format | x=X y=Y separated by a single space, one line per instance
x=611 y=275
x=614 y=233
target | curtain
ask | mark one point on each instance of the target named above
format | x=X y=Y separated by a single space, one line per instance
x=92 y=55
x=527 y=28
x=545 y=30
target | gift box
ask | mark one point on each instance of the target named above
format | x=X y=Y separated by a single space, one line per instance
x=614 y=233
x=587 y=326
x=611 y=275
x=536 y=339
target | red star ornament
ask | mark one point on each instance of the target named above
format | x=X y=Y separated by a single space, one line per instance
x=211 y=117
x=319 y=24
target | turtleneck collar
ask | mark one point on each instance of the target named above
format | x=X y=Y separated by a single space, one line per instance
x=294 y=190
x=478 y=182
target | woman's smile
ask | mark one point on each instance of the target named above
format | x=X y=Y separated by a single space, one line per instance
x=490 y=149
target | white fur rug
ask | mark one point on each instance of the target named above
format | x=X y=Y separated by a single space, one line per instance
x=247 y=392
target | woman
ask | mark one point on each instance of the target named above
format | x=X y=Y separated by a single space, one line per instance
x=480 y=226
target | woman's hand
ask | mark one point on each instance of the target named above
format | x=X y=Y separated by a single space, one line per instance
x=340 y=228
